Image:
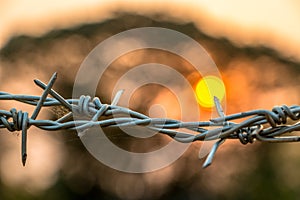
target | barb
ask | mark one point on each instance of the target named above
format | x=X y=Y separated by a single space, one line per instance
x=261 y=125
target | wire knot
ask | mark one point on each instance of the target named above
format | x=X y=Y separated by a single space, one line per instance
x=84 y=106
x=18 y=118
x=17 y=123
x=246 y=136
x=280 y=114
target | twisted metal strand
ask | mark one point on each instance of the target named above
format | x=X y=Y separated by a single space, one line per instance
x=261 y=125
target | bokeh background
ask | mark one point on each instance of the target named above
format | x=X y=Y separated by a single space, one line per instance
x=255 y=44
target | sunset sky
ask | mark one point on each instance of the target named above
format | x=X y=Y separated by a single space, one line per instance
x=273 y=23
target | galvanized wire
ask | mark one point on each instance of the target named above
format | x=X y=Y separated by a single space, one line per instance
x=261 y=125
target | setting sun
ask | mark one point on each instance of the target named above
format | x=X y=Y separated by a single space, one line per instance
x=207 y=88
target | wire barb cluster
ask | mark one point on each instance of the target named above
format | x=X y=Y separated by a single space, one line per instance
x=261 y=125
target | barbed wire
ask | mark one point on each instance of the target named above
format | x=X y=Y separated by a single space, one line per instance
x=261 y=125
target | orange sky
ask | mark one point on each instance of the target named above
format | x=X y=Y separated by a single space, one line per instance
x=274 y=23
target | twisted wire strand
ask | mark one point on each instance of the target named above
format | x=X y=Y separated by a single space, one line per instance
x=261 y=125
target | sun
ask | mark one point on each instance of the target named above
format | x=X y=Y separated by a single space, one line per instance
x=207 y=88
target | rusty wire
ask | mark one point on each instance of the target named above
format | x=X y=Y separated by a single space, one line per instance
x=261 y=125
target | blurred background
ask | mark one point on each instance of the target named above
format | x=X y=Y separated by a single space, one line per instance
x=255 y=44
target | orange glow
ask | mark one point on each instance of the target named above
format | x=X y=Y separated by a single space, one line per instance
x=208 y=88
